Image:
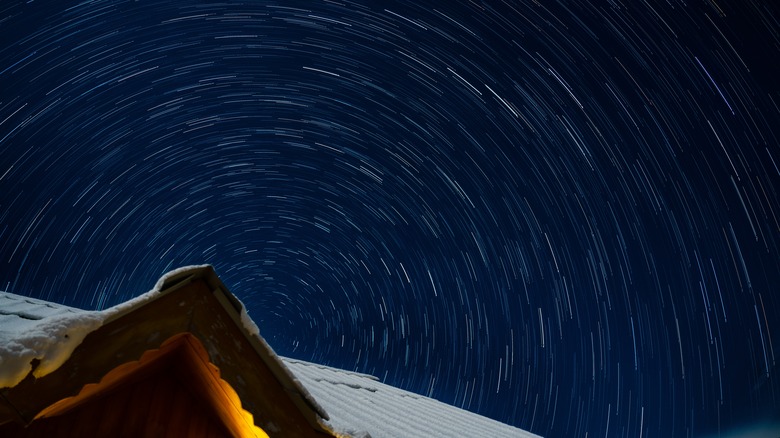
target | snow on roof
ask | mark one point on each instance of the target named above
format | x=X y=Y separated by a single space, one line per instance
x=32 y=329
x=356 y=405
x=361 y=406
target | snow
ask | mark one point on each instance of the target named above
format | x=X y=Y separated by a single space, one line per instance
x=37 y=331
x=247 y=322
x=360 y=406
x=120 y=309
x=48 y=336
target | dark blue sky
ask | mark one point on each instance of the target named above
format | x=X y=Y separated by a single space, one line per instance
x=564 y=216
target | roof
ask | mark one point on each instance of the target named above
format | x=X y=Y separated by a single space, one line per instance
x=34 y=329
x=362 y=406
x=350 y=403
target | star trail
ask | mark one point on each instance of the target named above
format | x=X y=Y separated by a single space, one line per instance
x=561 y=215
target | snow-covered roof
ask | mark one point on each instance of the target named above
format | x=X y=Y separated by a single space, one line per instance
x=360 y=405
x=49 y=332
x=355 y=404
x=34 y=329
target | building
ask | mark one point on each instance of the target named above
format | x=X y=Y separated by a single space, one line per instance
x=186 y=360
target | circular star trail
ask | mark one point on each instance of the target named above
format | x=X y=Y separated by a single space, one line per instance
x=564 y=216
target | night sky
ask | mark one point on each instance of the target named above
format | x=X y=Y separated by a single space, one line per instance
x=561 y=215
